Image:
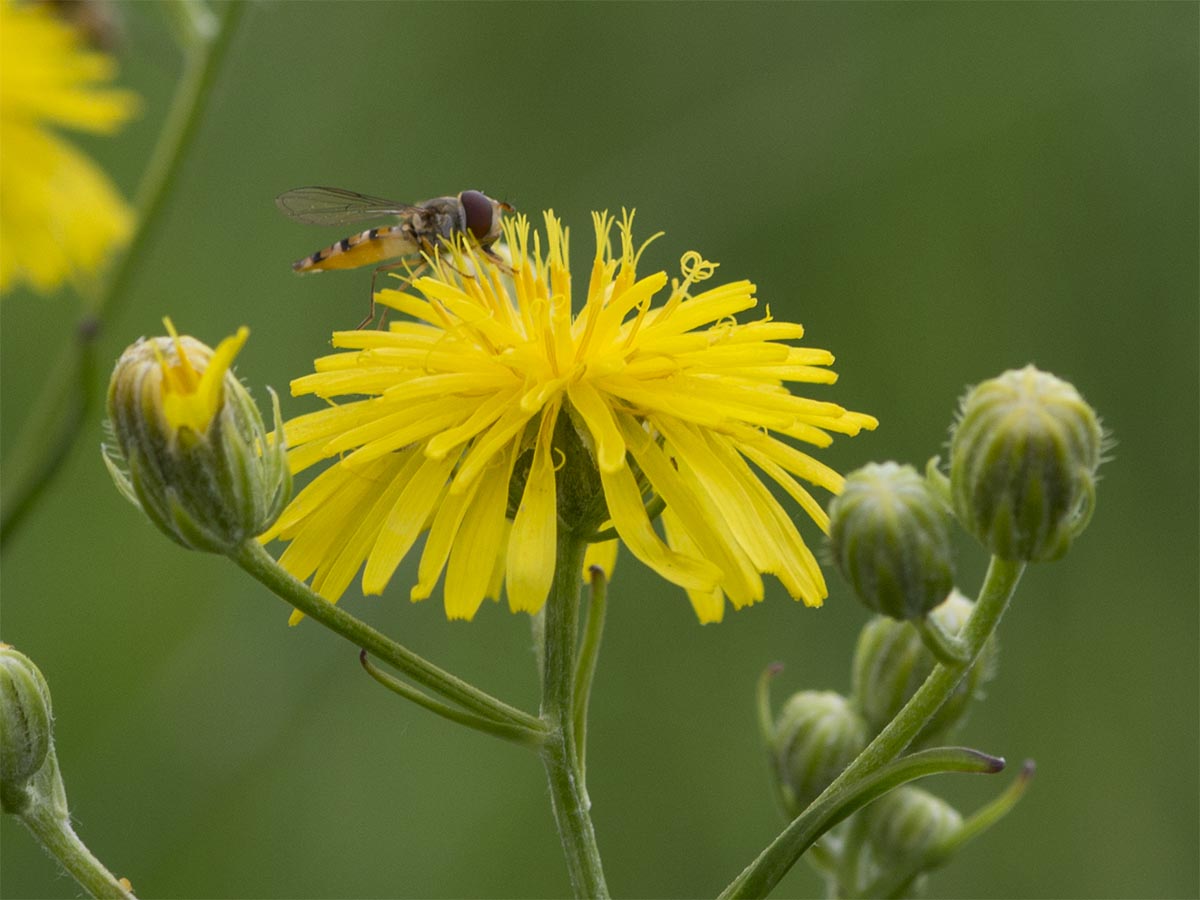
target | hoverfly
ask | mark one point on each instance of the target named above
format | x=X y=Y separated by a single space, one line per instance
x=420 y=229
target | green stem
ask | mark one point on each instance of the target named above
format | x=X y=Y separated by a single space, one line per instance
x=896 y=884
x=568 y=792
x=517 y=734
x=62 y=408
x=761 y=876
x=983 y=819
x=259 y=564
x=946 y=648
x=53 y=831
x=830 y=808
x=762 y=696
x=589 y=654
x=998 y=586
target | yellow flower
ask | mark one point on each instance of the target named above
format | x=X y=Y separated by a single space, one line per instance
x=492 y=388
x=60 y=215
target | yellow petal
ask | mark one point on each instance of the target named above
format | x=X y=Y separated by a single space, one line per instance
x=633 y=525
x=335 y=575
x=405 y=520
x=597 y=415
x=709 y=537
x=709 y=606
x=320 y=537
x=533 y=542
x=473 y=556
x=447 y=520
x=602 y=554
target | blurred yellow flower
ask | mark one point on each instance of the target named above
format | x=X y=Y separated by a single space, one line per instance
x=449 y=412
x=60 y=215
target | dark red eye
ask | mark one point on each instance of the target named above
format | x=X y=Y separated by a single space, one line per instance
x=478 y=210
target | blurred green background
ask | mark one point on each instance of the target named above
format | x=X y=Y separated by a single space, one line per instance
x=938 y=192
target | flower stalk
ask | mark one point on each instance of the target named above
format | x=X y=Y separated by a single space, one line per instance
x=258 y=563
x=947 y=648
x=566 y=679
x=517 y=734
x=897 y=883
x=589 y=652
x=54 y=832
x=560 y=754
x=856 y=785
x=31 y=785
x=998 y=587
x=832 y=807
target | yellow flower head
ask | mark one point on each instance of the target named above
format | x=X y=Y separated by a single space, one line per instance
x=60 y=216
x=467 y=422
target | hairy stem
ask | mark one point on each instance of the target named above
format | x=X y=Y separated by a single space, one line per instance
x=562 y=758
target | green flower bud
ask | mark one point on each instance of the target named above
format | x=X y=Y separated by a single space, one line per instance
x=906 y=824
x=191 y=448
x=1023 y=460
x=890 y=537
x=891 y=662
x=817 y=734
x=26 y=733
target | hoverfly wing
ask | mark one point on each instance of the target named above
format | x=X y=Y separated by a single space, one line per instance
x=336 y=206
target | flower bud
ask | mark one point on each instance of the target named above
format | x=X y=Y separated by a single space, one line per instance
x=889 y=536
x=906 y=824
x=1023 y=460
x=26 y=736
x=817 y=734
x=191 y=448
x=891 y=662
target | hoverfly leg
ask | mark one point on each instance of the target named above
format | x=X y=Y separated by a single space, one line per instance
x=405 y=283
x=369 y=317
x=384 y=268
x=498 y=260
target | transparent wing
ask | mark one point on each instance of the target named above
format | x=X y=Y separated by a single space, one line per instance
x=335 y=206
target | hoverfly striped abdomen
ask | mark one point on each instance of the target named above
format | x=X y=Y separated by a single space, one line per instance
x=375 y=245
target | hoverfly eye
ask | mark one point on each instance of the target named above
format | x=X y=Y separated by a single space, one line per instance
x=478 y=212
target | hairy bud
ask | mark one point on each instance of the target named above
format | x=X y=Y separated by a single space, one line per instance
x=890 y=537
x=190 y=448
x=817 y=734
x=1023 y=461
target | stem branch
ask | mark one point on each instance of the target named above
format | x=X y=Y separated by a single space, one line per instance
x=517 y=734
x=761 y=876
x=832 y=807
x=259 y=564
